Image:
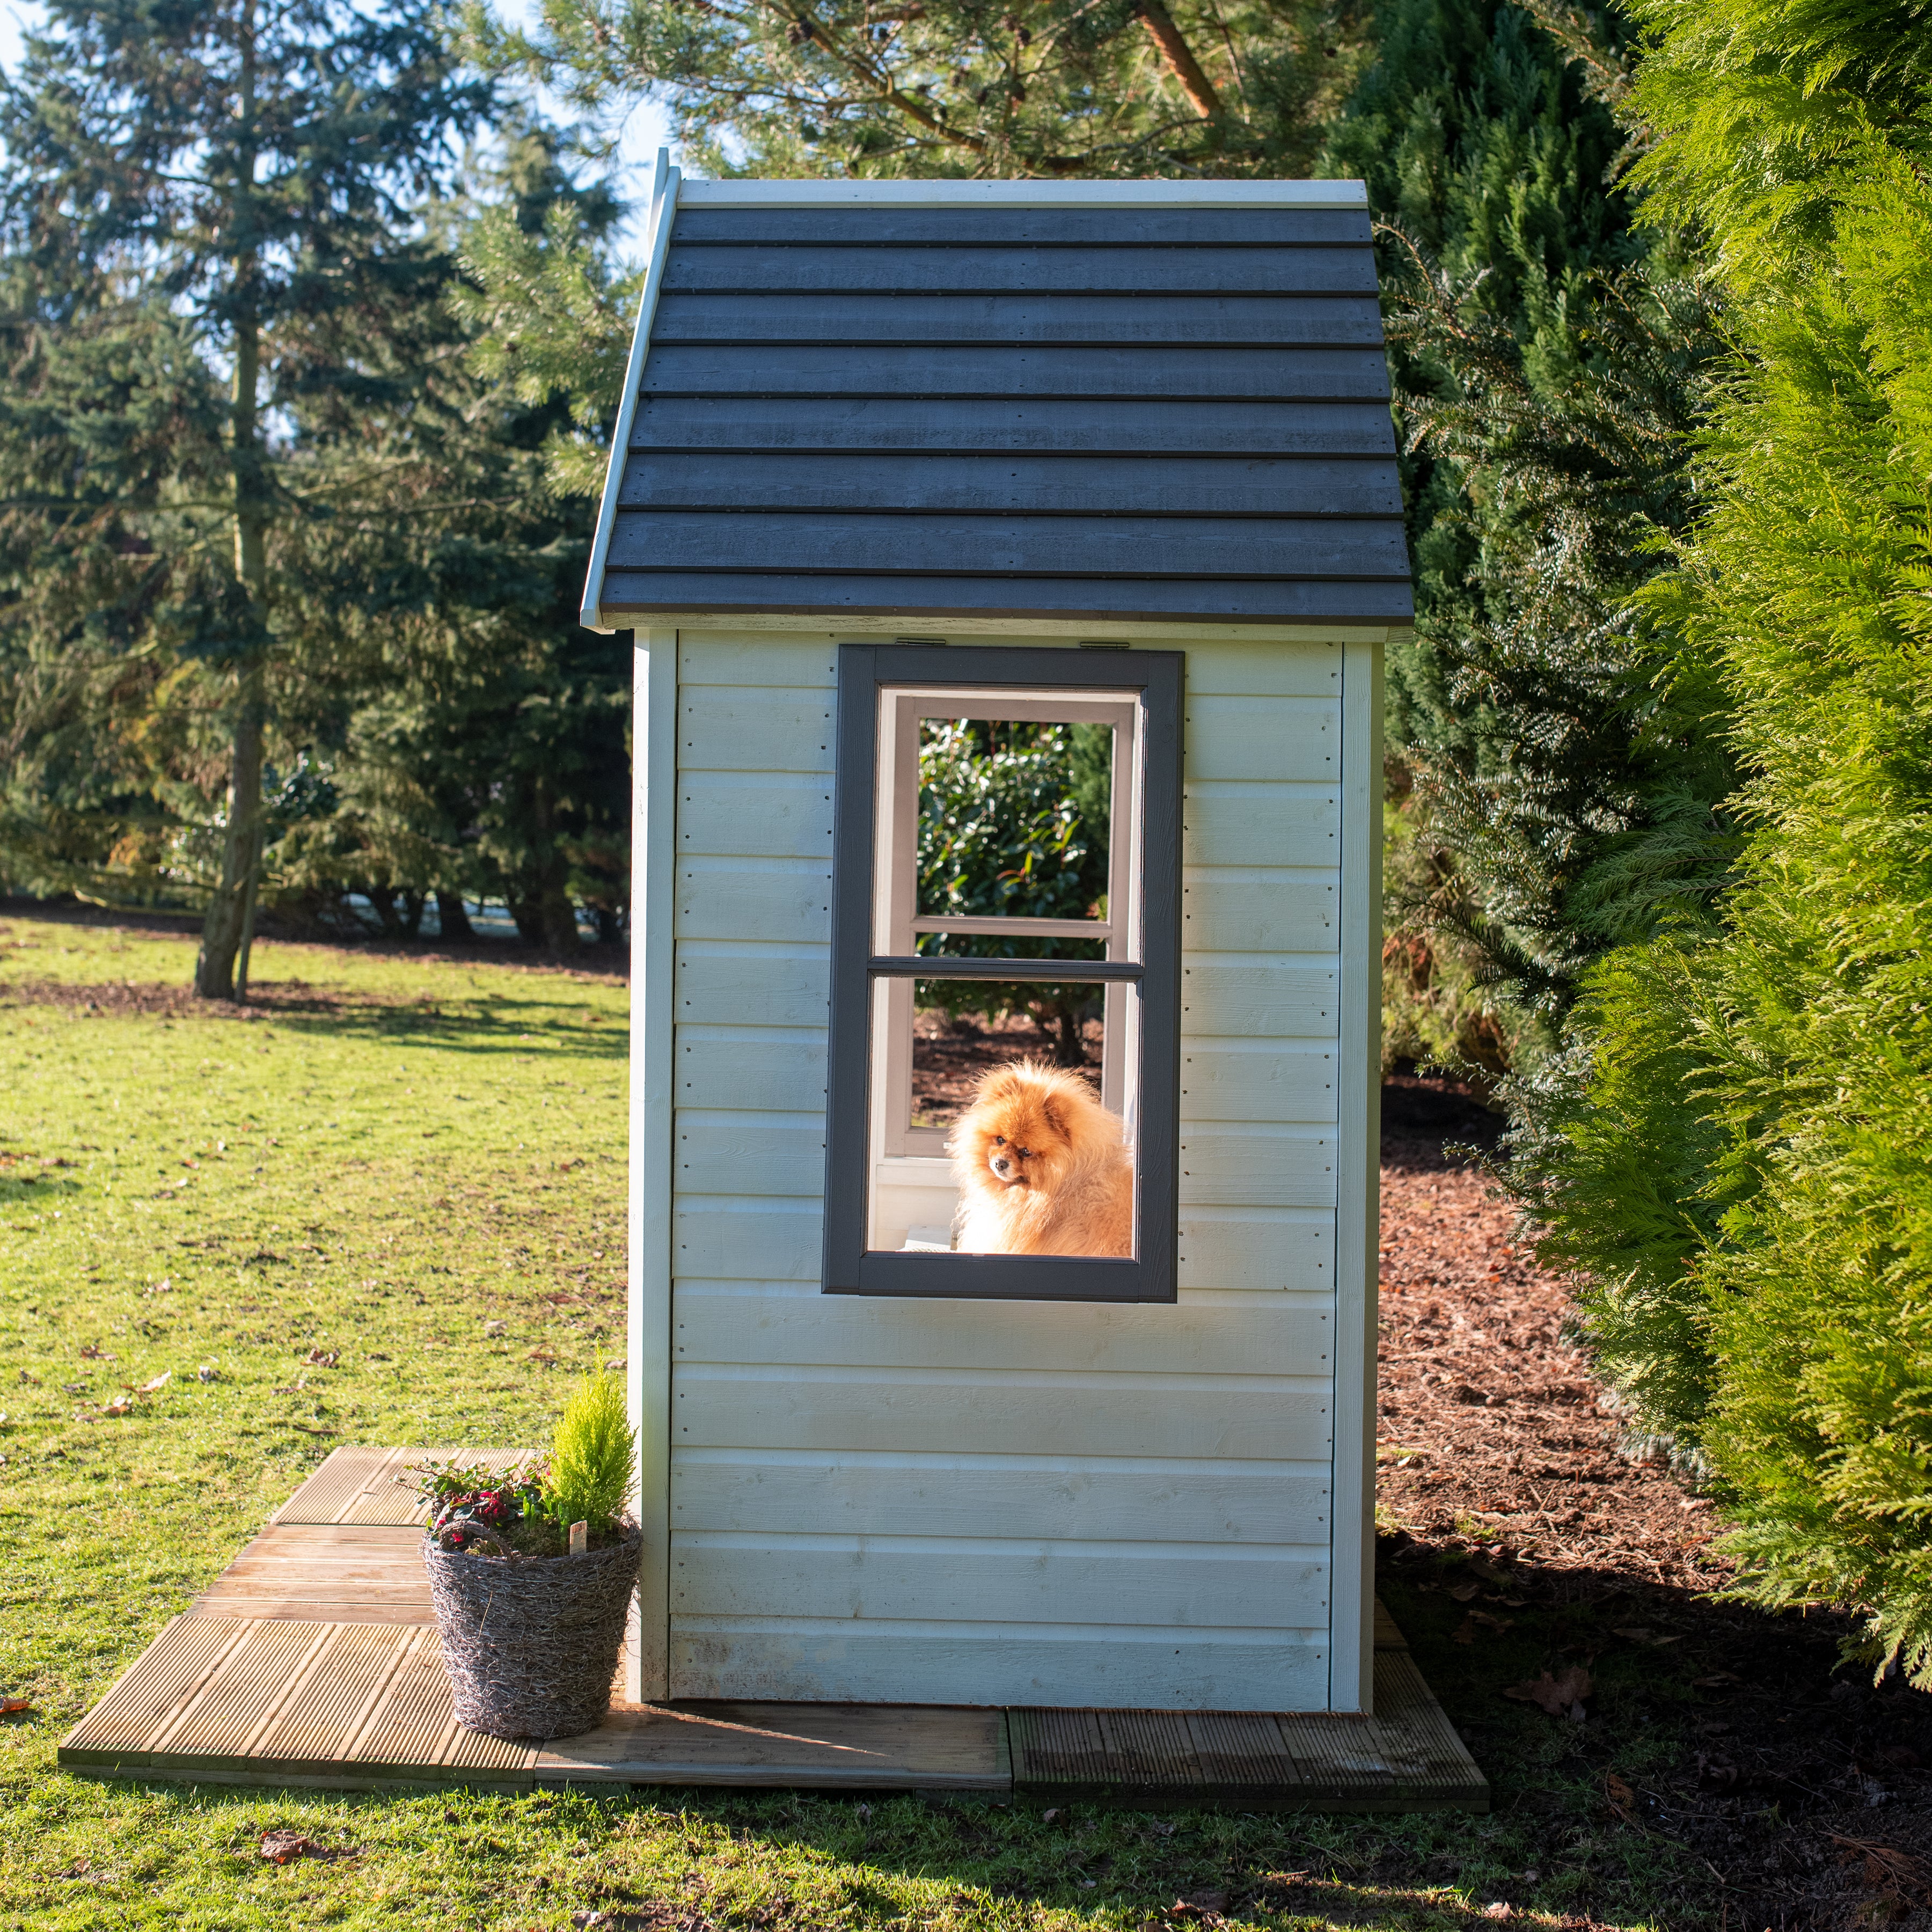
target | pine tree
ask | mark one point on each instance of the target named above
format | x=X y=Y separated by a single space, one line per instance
x=477 y=746
x=888 y=88
x=1551 y=791
x=237 y=176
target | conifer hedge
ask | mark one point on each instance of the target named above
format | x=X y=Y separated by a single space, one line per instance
x=1746 y=1173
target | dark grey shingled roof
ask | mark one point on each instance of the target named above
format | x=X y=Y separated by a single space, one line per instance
x=1111 y=411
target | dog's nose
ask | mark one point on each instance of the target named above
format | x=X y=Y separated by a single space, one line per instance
x=1000 y=1165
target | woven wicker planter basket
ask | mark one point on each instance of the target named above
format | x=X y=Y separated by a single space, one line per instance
x=531 y=1644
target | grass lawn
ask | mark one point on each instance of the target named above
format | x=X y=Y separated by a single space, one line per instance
x=388 y=1155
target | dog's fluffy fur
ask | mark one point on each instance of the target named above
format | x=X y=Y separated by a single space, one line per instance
x=1042 y=1167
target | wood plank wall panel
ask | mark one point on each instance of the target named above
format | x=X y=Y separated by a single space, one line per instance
x=901 y=1501
x=1025 y=412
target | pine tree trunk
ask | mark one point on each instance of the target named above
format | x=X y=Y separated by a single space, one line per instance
x=560 y=917
x=227 y=915
x=230 y=912
x=555 y=908
x=452 y=918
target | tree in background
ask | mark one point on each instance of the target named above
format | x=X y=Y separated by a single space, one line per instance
x=434 y=723
x=232 y=181
x=480 y=750
x=1013 y=824
x=1551 y=784
x=1746 y=1173
x=924 y=87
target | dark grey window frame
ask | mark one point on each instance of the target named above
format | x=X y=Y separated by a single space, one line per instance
x=1157 y=676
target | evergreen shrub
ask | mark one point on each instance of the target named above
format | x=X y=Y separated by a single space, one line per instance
x=1746 y=1171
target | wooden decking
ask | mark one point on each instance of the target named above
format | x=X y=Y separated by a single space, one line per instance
x=313 y=1660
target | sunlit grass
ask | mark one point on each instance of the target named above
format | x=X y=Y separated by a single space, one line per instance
x=427 y=1148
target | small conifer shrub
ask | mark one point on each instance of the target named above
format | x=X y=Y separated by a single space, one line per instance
x=591 y=1456
x=586 y=1478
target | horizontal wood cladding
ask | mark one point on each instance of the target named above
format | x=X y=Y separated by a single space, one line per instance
x=796 y=543
x=911 y=1411
x=1003 y=481
x=1219 y=668
x=775 y=1327
x=1019 y=227
x=1244 y=915
x=1262 y=825
x=772 y=1574
x=969 y=269
x=783 y=984
x=874 y=1498
x=1254 y=1003
x=1259 y=1080
x=1077 y=1498
x=1252 y=1249
x=1081 y=372
x=755 y=815
x=781 y=1238
x=1257 y=1166
x=755 y=730
x=864 y=319
x=879 y=425
x=801 y=1661
x=1262 y=739
x=716 y=899
x=750 y=1069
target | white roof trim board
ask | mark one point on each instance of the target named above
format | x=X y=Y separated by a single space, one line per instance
x=1107 y=401
x=1024 y=194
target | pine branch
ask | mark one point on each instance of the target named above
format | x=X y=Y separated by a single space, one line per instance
x=1167 y=36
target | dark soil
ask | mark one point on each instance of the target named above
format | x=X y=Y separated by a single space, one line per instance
x=1526 y=1534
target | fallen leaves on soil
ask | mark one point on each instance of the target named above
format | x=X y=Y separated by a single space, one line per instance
x=1561 y=1697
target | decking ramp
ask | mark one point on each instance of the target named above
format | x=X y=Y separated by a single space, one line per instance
x=313 y=1660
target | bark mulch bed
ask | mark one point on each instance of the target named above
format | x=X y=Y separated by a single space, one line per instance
x=949 y=1057
x=1555 y=1577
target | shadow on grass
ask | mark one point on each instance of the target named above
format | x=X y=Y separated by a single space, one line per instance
x=707 y=1861
x=457 y=1022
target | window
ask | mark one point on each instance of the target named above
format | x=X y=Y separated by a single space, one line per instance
x=1006 y=972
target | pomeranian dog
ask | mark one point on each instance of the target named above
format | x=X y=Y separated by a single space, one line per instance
x=1042 y=1167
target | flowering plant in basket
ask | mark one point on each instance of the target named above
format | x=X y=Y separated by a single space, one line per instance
x=531 y=1572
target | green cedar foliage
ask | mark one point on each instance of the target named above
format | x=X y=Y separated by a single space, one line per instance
x=1747 y=1175
x=593 y=1456
x=904 y=88
x=228 y=184
x=1551 y=785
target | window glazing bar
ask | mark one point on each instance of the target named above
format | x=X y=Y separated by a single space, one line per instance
x=938 y=966
x=991 y=926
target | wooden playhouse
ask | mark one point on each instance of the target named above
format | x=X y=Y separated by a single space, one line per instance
x=920 y=495
x=1116 y=457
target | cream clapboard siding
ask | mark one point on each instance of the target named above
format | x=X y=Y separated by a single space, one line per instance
x=982 y=1502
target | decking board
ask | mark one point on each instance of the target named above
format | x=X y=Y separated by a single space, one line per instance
x=313 y=1660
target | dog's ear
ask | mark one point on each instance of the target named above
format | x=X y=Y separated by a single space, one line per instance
x=1055 y=1110
x=1002 y=1083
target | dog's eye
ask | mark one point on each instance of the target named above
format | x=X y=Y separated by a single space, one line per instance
x=1022 y=1152
x=999 y=1140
